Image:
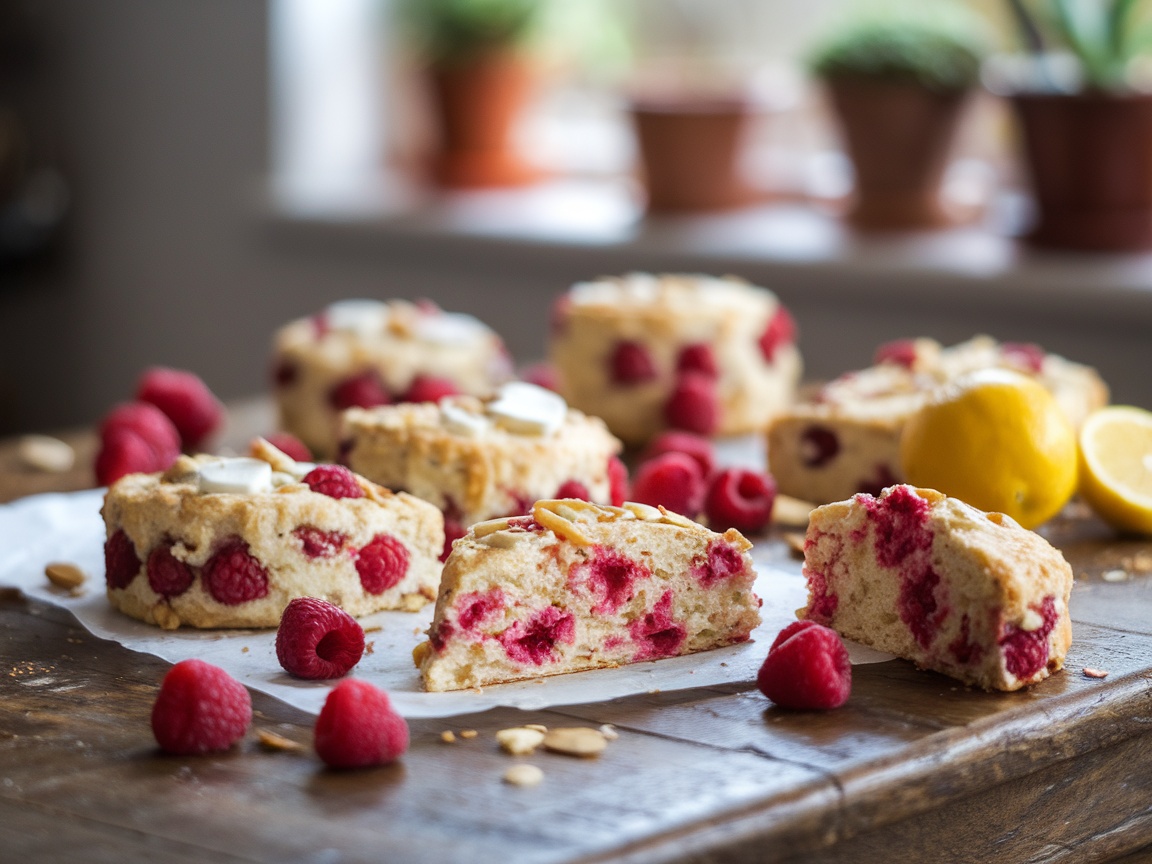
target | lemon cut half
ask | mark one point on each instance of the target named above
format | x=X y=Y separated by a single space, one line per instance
x=1116 y=466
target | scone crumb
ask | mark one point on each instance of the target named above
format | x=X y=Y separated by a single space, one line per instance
x=609 y=732
x=523 y=775
x=520 y=740
x=539 y=727
x=370 y=647
x=69 y=577
x=575 y=741
x=244 y=650
x=269 y=740
x=448 y=736
x=468 y=733
x=1089 y=672
x=376 y=628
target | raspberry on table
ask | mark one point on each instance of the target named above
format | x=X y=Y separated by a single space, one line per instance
x=693 y=405
x=290 y=446
x=781 y=330
x=382 y=563
x=807 y=667
x=618 y=484
x=358 y=728
x=365 y=390
x=335 y=481
x=233 y=575
x=185 y=398
x=121 y=564
x=168 y=576
x=741 y=499
x=677 y=441
x=317 y=639
x=429 y=388
x=200 y=709
x=673 y=480
x=631 y=364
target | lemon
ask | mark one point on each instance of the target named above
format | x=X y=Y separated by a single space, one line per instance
x=997 y=440
x=1116 y=466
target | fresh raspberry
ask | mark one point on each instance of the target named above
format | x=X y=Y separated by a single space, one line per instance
x=200 y=709
x=675 y=441
x=454 y=529
x=148 y=422
x=902 y=352
x=693 y=405
x=121 y=563
x=573 y=489
x=740 y=499
x=619 y=488
x=807 y=667
x=123 y=453
x=358 y=727
x=185 y=398
x=290 y=446
x=365 y=390
x=168 y=576
x=632 y=364
x=698 y=358
x=673 y=480
x=781 y=330
x=317 y=639
x=1024 y=355
x=382 y=563
x=818 y=446
x=285 y=373
x=316 y=543
x=233 y=575
x=429 y=388
x=335 y=481
x=542 y=375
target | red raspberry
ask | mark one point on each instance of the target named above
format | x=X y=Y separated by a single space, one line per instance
x=454 y=529
x=573 y=489
x=358 y=728
x=673 y=480
x=187 y=401
x=675 y=441
x=698 y=358
x=335 y=481
x=818 y=446
x=285 y=373
x=740 y=499
x=429 y=388
x=290 y=446
x=168 y=576
x=693 y=405
x=1024 y=355
x=316 y=543
x=619 y=489
x=542 y=375
x=365 y=390
x=148 y=422
x=233 y=575
x=123 y=453
x=902 y=352
x=121 y=563
x=632 y=364
x=382 y=563
x=317 y=639
x=200 y=709
x=807 y=667
x=781 y=330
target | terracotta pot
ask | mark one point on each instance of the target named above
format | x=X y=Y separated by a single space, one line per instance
x=690 y=153
x=478 y=103
x=1090 y=160
x=899 y=137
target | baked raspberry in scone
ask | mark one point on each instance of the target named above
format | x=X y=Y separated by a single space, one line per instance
x=230 y=542
x=846 y=438
x=479 y=459
x=936 y=581
x=577 y=586
x=648 y=353
x=364 y=353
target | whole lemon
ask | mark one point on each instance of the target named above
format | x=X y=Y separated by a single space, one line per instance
x=997 y=440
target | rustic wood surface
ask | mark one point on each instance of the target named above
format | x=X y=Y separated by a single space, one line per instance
x=916 y=768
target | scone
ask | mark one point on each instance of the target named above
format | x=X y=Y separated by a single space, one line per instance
x=577 y=586
x=846 y=438
x=935 y=581
x=479 y=459
x=366 y=352
x=648 y=353
x=229 y=542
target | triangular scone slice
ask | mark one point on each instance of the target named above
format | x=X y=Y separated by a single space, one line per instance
x=938 y=582
x=578 y=586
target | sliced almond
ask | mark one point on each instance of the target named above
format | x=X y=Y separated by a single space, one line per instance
x=269 y=740
x=66 y=576
x=643 y=511
x=560 y=526
x=45 y=453
x=468 y=734
x=448 y=736
x=678 y=520
x=491 y=526
x=519 y=740
x=575 y=741
x=1089 y=672
x=523 y=775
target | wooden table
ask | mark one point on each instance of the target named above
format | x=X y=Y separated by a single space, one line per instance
x=916 y=768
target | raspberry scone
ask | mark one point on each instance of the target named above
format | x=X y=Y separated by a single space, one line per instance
x=846 y=438
x=936 y=581
x=648 y=353
x=578 y=586
x=366 y=352
x=230 y=542
x=479 y=459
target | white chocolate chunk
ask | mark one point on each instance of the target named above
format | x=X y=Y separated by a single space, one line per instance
x=527 y=409
x=242 y=475
x=449 y=328
x=363 y=317
x=460 y=421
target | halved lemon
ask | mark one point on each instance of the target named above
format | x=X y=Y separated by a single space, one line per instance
x=1116 y=466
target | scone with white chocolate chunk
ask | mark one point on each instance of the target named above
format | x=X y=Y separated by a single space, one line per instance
x=578 y=586
x=229 y=542
x=714 y=356
x=846 y=438
x=479 y=459
x=936 y=581
x=366 y=352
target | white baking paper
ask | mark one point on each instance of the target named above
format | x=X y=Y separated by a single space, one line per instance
x=43 y=529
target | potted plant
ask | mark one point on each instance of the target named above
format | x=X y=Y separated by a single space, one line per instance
x=480 y=79
x=1087 y=127
x=898 y=84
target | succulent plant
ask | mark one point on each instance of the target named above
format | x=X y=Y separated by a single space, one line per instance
x=453 y=30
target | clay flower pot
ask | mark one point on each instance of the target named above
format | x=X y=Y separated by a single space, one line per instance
x=690 y=153
x=1090 y=160
x=478 y=103
x=899 y=136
